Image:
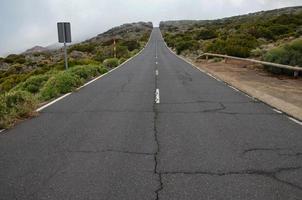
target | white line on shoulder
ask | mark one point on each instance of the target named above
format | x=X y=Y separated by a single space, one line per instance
x=52 y=102
x=295 y=120
x=277 y=111
x=234 y=88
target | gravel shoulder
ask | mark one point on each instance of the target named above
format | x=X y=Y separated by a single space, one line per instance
x=281 y=92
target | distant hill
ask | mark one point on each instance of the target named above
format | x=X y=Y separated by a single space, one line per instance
x=36 y=49
x=185 y=24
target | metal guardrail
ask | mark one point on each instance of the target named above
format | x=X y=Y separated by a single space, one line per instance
x=295 y=69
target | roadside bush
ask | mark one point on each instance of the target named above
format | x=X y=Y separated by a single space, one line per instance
x=33 y=84
x=85 y=72
x=131 y=44
x=85 y=61
x=290 y=54
x=11 y=81
x=261 y=32
x=15 y=105
x=184 y=45
x=122 y=51
x=122 y=60
x=217 y=46
x=13 y=59
x=111 y=63
x=205 y=34
x=83 y=47
x=103 y=70
x=61 y=83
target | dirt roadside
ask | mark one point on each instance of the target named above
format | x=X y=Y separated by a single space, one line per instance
x=282 y=92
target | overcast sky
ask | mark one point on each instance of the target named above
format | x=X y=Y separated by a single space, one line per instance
x=26 y=23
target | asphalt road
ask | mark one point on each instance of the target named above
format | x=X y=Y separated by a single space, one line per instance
x=115 y=139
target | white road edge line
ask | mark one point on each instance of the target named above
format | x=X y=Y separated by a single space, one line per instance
x=157 y=98
x=233 y=88
x=156 y=72
x=295 y=120
x=277 y=111
x=52 y=102
x=93 y=80
x=2 y=130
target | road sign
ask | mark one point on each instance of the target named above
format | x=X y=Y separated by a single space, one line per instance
x=64 y=32
x=64 y=35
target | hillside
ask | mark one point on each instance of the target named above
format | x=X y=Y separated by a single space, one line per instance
x=30 y=79
x=38 y=60
x=273 y=36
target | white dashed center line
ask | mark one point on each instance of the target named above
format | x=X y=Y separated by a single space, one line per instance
x=156 y=72
x=157 y=98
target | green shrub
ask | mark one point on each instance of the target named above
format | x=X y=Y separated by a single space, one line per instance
x=7 y=83
x=13 y=59
x=103 y=70
x=261 y=32
x=33 y=84
x=61 y=83
x=131 y=44
x=239 y=45
x=122 y=60
x=122 y=51
x=185 y=45
x=217 y=46
x=290 y=54
x=15 y=105
x=111 y=63
x=83 y=47
x=85 y=61
x=206 y=34
x=85 y=71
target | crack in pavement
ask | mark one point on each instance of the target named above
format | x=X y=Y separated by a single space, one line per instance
x=112 y=150
x=207 y=101
x=155 y=132
x=266 y=173
x=279 y=151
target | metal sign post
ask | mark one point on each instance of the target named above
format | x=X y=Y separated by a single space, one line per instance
x=64 y=35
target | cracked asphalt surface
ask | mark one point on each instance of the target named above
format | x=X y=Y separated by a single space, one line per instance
x=110 y=140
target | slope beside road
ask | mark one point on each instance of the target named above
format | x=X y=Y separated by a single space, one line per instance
x=155 y=128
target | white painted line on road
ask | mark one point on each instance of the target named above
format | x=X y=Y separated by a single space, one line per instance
x=212 y=76
x=295 y=120
x=156 y=63
x=157 y=98
x=156 y=72
x=234 y=88
x=277 y=111
x=52 y=102
x=2 y=130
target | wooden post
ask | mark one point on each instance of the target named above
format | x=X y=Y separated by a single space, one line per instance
x=207 y=58
x=296 y=74
x=225 y=59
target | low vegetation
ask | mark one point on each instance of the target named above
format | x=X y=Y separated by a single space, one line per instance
x=30 y=79
x=263 y=35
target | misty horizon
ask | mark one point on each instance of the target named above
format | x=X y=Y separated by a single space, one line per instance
x=25 y=30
